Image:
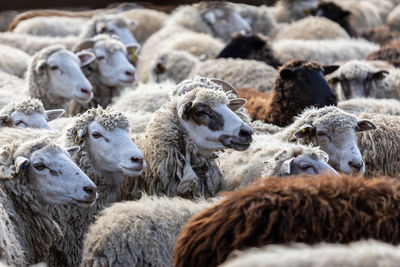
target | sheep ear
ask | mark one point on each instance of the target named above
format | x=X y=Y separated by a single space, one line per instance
x=286 y=167
x=379 y=75
x=72 y=151
x=345 y=13
x=85 y=58
x=133 y=50
x=365 y=125
x=332 y=81
x=236 y=103
x=329 y=69
x=4 y=120
x=210 y=17
x=305 y=130
x=53 y=114
x=184 y=110
x=84 y=45
x=227 y=87
x=286 y=74
x=20 y=164
x=41 y=65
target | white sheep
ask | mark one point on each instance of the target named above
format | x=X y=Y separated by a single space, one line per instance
x=28 y=113
x=360 y=78
x=312 y=28
x=371 y=105
x=291 y=10
x=108 y=74
x=138 y=233
x=324 y=51
x=35 y=174
x=179 y=65
x=182 y=138
x=268 y=156
x=334 y=131
x=13 y=60
x=367 y=253
x=106 y=154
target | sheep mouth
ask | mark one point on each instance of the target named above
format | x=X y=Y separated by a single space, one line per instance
x=129 y=81
x=83 y=100
x=235 y=143
x=133 y=171
x=84 y=203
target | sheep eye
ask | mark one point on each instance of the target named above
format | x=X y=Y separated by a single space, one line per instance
x=96 y=135
x=305 y=166
x=100 y=58
x=39 y=166
x=54 y=68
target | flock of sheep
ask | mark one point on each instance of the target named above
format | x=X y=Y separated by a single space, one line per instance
x=216 y=134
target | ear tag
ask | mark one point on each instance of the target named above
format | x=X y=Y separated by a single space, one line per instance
x=78 y=139
x=307 y=12
x=133 y=53
x=303 y=130
x=18 y=170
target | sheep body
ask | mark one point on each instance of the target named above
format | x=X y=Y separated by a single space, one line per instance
x=371 y=105
x=324 y=51
x=150 y=224
x=13 y=60
x=393 y=20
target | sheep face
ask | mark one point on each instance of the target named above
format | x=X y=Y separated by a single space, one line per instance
x=56 y=179
x=114 y=68
x=35 y=120
x=65 y=75
x=306 y=163
x=116 y=26
x=338 y=141
x=224 y=22
x=358 y=87
x=216 y=127
x=113 y=152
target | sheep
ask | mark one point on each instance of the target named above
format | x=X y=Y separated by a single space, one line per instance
x=291 y=10
x=293 y=91
x=182 y=138
x=334 y=131
x=37 y=174
x=371 y=105
x=282 y=210
x=54 y=76
x=368 y=253
x=392 y=19
x=389 y=53
x=107 y=154
x=312 y=28
x=107 y=24
x=7 y=82
x=108 y=74
x=13 y=60
x=269 y=157
x=250 y=46
x=360 y=78
x=381 y=35
x=324 y=51
x=28 y=113
x=180 y=65
x=150 y=224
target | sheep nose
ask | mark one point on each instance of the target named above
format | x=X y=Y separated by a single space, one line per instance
x=245 y=132
x=356 y=165
x=90 y=189
x=86 y=91
x=137 y=160
x=130 y=73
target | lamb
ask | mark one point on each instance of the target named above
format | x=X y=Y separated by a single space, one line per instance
x=323 y=51
x=181 y=140
x=108 y=74
x=151 y=224
x=107 y=154
x=291 y=10
x=269 y=157
x=282 y=210
x=107 y=24
x=294 y=89
x=359 y=78
x=389 y=53
x=13 y=60
x=369 y=253
x=29 y=188
x=28 y=113
x=250 y=46
x=371 y=105
x=180 y=65
x=334 y=131
x=312 y=28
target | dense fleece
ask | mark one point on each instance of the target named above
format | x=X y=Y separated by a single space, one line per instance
x=284 y=102
x=381 y=35
x=366 y=253
x=380 y=149
x=28 y=106
x=389 y=53
x=74 y=221
x=371 y=105
x=164 y=147
x=283 y=210
x=13 y=60
x=138 y=233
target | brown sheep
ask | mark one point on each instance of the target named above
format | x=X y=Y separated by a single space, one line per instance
x=284 y=210
x=389 y=53
x=300 y=84
x=381 y=35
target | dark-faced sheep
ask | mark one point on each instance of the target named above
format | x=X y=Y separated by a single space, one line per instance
x=300 y=84
x=283 y=210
